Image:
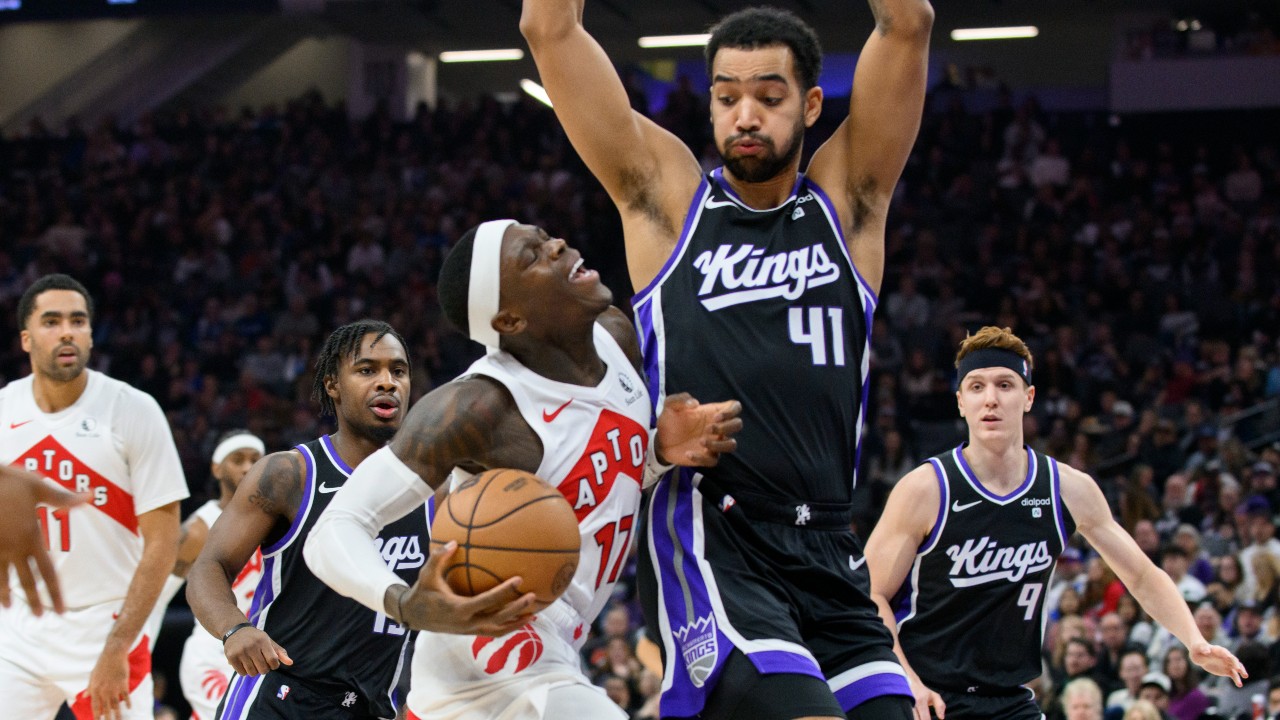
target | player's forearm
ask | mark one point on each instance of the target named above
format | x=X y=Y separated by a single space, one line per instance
x=1158 y=595
x=210 y=596
x=158 y=555
x=341 y=553
x=548 y=20
x=903 y=17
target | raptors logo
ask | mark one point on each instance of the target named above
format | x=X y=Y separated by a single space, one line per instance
x=523 y=645
x=214 y=683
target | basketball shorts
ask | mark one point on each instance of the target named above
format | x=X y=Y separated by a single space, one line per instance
x=204 y=673
x=1019 y=704
x=533 y=673
x=46 y=661
x=783 y=582
x=276 y=696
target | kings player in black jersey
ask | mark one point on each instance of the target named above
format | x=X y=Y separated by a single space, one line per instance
x=757 y=282
x=968 y=542
x=305 y=651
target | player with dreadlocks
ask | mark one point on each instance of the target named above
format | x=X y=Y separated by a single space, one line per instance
x=305 y=651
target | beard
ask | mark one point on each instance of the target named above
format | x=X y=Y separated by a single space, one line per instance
x=379 y=433
x=65 y=373
x=768 y=164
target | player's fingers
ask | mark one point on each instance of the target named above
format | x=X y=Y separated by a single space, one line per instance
x=939 y=706
x=57 y=496
x=492 y=600
x=50 y=574
x=719 y=447
x=728 y=427
x=28 y=582
x=4 y=587
x=439 y=556
x=683 y=399
x=283 y=655
x=728 y=409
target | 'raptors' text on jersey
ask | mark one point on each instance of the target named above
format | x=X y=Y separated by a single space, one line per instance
x=988 y=560
x=113 y=443
x=765 y=306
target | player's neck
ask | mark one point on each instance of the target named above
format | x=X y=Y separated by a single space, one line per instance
x=574 y=362
x=352 y=447
x=1001 y=467
x=53 y=396
x=767 y=193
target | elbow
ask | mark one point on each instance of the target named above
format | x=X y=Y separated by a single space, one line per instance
x=915 y=23
x=540 y=31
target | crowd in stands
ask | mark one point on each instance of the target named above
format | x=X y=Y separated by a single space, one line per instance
x=1212 y=33
x=1142 y=269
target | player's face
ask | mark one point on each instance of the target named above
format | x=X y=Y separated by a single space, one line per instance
x=58 y=336
x=543 y=278
x=993 y=401
x=235 y=466
x=372 y=387
x=759 y=111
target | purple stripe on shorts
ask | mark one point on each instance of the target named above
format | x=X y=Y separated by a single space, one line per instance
x=781 y=661
x=870 y=687
x=265 y=593
x=238 y=697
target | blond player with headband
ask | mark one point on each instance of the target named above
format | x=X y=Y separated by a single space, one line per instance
x=204 y=672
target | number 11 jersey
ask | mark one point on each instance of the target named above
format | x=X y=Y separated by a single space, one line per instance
x=765 y=306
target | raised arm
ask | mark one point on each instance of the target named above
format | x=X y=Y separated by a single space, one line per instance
x=266 y=501
x=457 y=425
x=861 y=163
x=1149 y=585
x=908 y=517
x=648 y=172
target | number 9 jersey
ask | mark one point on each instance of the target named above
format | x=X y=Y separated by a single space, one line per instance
x=114 y=442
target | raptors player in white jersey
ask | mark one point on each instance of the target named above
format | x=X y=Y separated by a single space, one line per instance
x=90 y=433
x=561 y=395
x=204 y=671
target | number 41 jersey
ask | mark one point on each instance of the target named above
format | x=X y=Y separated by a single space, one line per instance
x=970 y=612
x=765 y=306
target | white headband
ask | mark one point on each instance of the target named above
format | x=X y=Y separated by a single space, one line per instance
x=239 y=441
x=485 y=281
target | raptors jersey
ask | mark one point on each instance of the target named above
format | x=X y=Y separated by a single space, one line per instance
x=765 y=306
x=969 y=614
x=594 y=441
x=113 y=442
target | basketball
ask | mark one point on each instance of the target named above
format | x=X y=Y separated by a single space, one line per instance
x=506 y=523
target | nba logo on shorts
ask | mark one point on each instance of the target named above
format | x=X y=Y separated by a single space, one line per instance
x=283 y=692
x=699 y=646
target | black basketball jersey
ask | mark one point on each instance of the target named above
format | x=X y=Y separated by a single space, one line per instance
x=765 y=306
x=970 y=612
x=334 y=641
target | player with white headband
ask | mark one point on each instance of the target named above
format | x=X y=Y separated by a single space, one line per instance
x=204 y=671
x=560 y=394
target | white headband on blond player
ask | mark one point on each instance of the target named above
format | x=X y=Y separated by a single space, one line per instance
x=485 y=281
x=239 y=441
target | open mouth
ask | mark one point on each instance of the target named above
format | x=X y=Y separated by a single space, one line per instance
x=385 y=408
x=67 y=354
x=578 y=273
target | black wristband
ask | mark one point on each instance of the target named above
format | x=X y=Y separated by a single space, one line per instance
x=234 y=630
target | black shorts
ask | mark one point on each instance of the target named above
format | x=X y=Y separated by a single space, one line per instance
x=276 y=696
x=721 y=574
x=1019 y=704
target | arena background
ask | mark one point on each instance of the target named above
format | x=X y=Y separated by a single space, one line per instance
x=234 y=178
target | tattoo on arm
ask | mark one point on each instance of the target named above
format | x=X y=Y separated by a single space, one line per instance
x=279 y=491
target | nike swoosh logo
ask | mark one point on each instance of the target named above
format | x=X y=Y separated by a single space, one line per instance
x=549 y=416
x=326 y=489
x=713 y=204
x=957 y=507
x=15 y=426
x=854 y=565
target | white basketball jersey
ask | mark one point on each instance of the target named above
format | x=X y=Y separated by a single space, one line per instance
x=114 y=442
x=594 y=441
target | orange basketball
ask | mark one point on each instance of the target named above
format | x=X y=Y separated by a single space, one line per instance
x=506 y=523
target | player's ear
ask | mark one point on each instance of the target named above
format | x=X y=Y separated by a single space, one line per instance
x=331 y=387
x=812 y=105
x=508 y=323
x=26 y=341
x=1031 y=398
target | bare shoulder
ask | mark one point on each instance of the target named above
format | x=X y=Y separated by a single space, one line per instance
x=623 y=332
x=275 y=483
x=1082 y=497
x=914 y=502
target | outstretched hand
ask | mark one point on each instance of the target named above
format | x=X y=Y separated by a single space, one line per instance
x=21 y=541
x=430 y=604
x=1219 y=661
x=692 y=433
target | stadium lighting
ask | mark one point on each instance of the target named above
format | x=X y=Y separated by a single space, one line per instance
x=535 y=91
x=995 y=33
x=460 y=56
x=666 y=41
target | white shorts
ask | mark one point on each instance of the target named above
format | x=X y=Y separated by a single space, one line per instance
x=46 y=661
x=204 y=673
x=534 y=673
